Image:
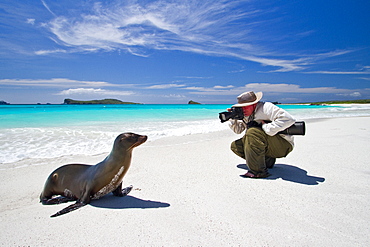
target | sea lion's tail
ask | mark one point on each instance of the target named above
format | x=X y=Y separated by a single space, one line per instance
x=70 y=208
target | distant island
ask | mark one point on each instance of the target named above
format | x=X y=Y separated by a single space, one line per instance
x=193 y=103
x=97 y=102
x=360 y=101
x=2 y=102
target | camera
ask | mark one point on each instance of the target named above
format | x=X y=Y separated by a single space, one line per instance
x=235 y=113
x=298 y=128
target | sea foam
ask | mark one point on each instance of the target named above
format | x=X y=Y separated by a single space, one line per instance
x=49 y=142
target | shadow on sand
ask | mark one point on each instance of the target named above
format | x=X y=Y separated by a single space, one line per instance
x=113 y=202
x=290 y=173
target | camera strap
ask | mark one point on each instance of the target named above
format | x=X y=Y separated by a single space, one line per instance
x=251 y=117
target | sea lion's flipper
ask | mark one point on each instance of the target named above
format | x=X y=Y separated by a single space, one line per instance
x=126 y=190
x=118 y=190
x=57 y=200
x=70 y=208
x=122 y=192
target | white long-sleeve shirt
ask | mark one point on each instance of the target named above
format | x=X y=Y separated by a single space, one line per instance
x=280 y=120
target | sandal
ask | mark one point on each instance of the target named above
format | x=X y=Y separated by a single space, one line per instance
x=252 y=175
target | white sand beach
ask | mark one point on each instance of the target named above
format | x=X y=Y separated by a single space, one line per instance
x=188 y=192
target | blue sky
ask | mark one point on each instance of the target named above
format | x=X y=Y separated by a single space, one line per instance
x=179 y=50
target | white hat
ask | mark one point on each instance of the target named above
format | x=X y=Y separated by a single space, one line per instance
x=248 y=98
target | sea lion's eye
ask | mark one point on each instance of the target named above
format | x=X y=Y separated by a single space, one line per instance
x=127 y=136
x=124 y=137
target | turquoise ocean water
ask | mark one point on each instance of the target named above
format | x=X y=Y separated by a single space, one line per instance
x=49 y=131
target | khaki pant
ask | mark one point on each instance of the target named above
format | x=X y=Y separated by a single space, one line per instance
x=260 y=150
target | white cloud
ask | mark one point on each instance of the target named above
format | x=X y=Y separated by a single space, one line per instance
x=223 y=87
x=340 y=72
x=290 y=88
x=364 y=78
x=355 y=94
x=31 y=21
x=215 y=28
x=203 y=89
x=285 y=65
x=93 y=91
x=237 y=71
x=351 y=94
x=54 y=82
x=174 y=96
x=165 y=86
x=195 y=77
x=270 y=88
x=360 y=70
x=47 y=52
x=47 y=7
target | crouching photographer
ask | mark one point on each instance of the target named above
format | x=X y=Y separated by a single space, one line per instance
x=267 y=134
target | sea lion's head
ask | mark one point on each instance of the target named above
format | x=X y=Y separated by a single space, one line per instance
x=128 y=141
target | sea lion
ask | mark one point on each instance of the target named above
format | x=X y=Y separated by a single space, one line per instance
x=81 y=183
